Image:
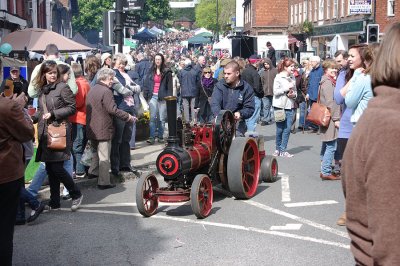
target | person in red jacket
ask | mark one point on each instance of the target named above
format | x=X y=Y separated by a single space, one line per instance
x=79 y=120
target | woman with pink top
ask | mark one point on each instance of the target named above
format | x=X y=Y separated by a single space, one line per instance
x=157 y=85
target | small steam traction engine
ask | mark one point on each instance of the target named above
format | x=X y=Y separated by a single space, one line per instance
x=196 y=157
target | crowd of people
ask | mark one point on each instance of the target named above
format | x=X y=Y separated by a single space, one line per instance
x=99 y=104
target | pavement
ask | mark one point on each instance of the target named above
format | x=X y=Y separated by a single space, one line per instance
x=143 y=159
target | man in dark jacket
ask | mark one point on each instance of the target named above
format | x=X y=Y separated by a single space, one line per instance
x=189 y=78
x=235 y=95
x=100 y=110
x=142 y=67
x=313 y=85
x=268 y=75
x=271 y=53
x=19 y=84
x=251 y=76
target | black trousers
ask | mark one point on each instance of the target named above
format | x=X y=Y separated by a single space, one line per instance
x=120 y=147
x=57 y=174
x=9 y=198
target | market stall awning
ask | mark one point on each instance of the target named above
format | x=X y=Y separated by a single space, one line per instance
x=35 y=39
x=198 y=40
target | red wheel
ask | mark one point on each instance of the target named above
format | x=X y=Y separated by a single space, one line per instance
x=243 y=168
x=201 y=196
x=146 y=198
x=269 y=169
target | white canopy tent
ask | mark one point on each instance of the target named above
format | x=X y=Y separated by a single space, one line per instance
x=201 y=30
x=224 y=44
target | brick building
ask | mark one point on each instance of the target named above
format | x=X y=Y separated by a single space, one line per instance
x=53 y=15
x=263 y=17
x=335 y=22
x=183 y=22
x=386 y=12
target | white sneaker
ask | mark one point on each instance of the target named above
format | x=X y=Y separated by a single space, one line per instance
x=76 y=203
x=276 y=153
x=286 y=154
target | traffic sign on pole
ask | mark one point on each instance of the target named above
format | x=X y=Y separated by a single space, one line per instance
x=133 y=4
x=131 y=20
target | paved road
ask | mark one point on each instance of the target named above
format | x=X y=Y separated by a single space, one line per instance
x=289 y=222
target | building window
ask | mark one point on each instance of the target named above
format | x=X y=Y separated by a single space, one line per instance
x=328 y=9
x=309 y=11
x=301 y=18
x=390 y=11
x=315 y=10
x=291 y=15
x=296 y=14
x=342 y=8
x=335 y=8
x=321 y=10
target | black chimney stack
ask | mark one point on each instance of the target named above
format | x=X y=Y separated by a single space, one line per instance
x=173 y=139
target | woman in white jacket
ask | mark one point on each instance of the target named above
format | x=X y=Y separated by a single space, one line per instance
x=284 y=95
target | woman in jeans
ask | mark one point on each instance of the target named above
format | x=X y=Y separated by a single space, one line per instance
x=157 y=85
x=285 y=94
x=56 y=104
x=329 y=133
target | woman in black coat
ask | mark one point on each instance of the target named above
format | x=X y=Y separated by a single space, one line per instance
x=204 y=98
x=59 y=101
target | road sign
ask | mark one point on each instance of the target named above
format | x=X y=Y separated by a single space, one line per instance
x=131 y=20
x=133 y=4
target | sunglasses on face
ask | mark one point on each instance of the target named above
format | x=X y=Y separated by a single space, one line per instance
x=207 y=72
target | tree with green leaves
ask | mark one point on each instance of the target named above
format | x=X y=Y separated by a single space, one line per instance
x=206 y=12
x=90 y=15
x=156 y=10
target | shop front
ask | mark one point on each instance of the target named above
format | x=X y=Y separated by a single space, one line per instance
x=327 y=39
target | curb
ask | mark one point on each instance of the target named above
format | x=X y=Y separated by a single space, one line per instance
x=142 y=158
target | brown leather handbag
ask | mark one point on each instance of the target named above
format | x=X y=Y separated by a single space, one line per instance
x=57 y=136
x=319 y=113
x=56 y=132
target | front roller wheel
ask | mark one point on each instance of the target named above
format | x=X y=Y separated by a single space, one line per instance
x=201 y=196
x=146 y=198
x=269 y=169
x=243 y=167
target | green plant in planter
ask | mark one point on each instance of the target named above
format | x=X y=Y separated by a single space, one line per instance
x=143 y=126
x=144 y=119
x=307 y=27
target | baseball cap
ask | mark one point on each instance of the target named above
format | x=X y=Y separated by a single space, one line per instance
x=14 y=68
x=254 y=58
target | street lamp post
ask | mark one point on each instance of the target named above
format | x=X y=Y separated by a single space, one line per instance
x=119 y=25
x=217 y=26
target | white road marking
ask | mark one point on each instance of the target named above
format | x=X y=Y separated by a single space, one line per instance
x=286 y=227
x=285 y=188
x=298 y=219
x=222 y=225
x=312 y=203
x=129 y=204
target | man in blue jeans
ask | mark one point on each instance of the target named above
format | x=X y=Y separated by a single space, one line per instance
x=313 y=86
x=268 y=75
